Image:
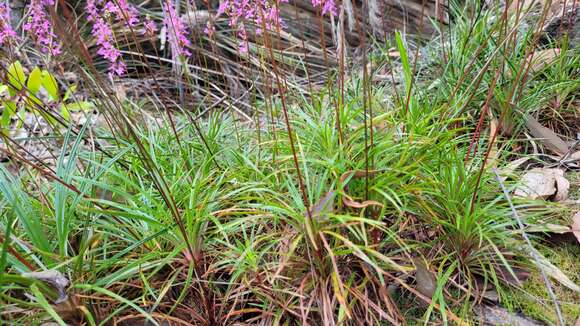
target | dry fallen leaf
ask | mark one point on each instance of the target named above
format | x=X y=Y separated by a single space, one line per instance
x=519 y=275
x=555 y=273
x=546 y=136
x=508 y=170
x=541 y=183
x=576 y=226
x=543 y=58
x=426 y=282
x=562 y=186
x=324 y=206
x=549 y=228
x=349 y=201
x=55 y=278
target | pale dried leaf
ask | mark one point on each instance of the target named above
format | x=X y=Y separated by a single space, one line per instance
x=509 y=169
x=546 y=136
x=562 y=186
x=576 y=226
x=550 y=228
x=493 y=157
x=324 y=206
x=555 y=273
x=349 y=201
x=543 y=58
x=55 y=278
x=543 y=183
x=426 y=283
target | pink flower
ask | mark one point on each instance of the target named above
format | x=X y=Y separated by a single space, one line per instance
x=39 y=27
x=123 y=12
x=176 y=31
x=149 y=26
x=261 y=13
x=209 y=29
x=328 y=6
x=103 y=34
x=6 y=31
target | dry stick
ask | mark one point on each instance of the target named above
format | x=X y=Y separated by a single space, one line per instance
x=15 y=253
x=533 y=251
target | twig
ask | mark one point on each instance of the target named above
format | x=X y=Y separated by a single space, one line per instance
x=533 y=251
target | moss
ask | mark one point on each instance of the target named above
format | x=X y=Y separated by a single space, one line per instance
x=533 y=299
x=574 y=178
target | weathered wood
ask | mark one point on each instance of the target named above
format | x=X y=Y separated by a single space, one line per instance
x=376 y=17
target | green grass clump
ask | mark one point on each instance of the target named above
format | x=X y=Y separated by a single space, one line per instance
x=329 y=207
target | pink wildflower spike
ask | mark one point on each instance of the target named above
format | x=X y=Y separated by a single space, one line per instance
x=149 y=26
x=243 y=44
x=209 y=29
x=39 y=27
x=176 y=31
x=264 y=14
x=104 y=36
x=123 y=12
x=6 y=32
x=327 y=6
x=118 y=68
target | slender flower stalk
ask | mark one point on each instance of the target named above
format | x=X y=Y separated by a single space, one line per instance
x=7 y=34
x=39 y=26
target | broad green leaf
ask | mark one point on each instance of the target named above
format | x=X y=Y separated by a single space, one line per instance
x=69 y=92
x=65 y=112
x=49 y=83
x=66 y=109
x=16 y=77
x=34 y=81
x=9 y=111
x=80 y=106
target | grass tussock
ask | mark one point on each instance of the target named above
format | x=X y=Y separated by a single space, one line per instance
x=366 y=201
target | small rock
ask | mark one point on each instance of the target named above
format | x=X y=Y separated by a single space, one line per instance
x=496 y=315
